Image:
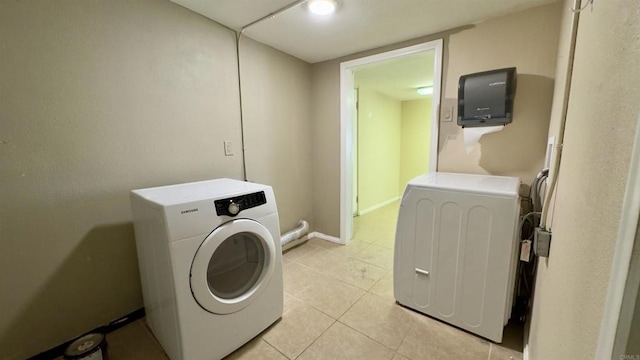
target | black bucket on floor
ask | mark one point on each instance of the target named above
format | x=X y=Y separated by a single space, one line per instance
x=88 y=347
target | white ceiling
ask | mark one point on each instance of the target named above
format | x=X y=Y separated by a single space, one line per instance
x=398 y=78
x=358 y=25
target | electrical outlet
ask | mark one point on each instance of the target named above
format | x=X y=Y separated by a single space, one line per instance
x=228 y=148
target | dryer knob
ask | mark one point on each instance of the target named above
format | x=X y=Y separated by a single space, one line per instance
x=234 y=208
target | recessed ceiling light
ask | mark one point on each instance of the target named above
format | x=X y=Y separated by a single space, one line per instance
x=427 y=90
x=322 y=7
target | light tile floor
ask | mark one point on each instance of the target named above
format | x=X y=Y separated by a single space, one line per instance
x=339 y=305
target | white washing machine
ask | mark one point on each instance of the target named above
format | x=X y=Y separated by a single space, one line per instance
x=456 y=249
x=210 y=263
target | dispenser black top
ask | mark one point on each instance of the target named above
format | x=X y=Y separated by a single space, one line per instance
x=486 y=98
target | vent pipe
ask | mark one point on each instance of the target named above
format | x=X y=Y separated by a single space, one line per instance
x=288 y=239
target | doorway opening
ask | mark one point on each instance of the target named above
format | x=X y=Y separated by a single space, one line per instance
x=389 y=126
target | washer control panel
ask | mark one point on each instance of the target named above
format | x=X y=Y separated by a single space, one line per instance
x=234 y=205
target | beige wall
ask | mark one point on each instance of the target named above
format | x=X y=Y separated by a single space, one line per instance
x=276 y=95
x=527 y=40
x=325 y=142
x=379 y=120
x=602 y=117
x=101 y=97
x=415 y=147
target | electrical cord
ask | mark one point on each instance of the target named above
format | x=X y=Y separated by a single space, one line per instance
x=535 y=189
x=526 y=270
x=244 y=159
x=533 y=223
x=563 y=117
x=526 y=229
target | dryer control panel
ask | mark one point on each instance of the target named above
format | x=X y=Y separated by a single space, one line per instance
x=232 y=206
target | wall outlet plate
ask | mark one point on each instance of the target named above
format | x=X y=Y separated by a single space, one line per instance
x=228 y=148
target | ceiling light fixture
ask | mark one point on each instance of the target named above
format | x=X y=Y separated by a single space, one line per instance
x=426 y=90
x=322 y=7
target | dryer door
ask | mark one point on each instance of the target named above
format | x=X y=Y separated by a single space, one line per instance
x=232 y=266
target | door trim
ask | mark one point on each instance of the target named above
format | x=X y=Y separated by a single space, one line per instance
x=347 y=102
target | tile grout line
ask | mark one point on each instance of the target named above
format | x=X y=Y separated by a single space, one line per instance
x=273 y=347
x=316 y=339
x=352 y=305
x=333 y=323
x=368 y=337
x=331 y=277
x=366 y=291
x=330 y=316
x=338 y=279
x=314 y=308
x=359 y=332
x=413 y=325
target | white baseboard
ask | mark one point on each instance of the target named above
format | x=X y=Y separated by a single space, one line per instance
x=376 y=207
x=321 y=236
x=525 y=352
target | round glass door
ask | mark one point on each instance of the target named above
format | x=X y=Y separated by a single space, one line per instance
x=232 y=265
x=236 y=265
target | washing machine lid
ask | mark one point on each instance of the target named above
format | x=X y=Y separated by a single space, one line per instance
x=232 y=266
x=469 y=183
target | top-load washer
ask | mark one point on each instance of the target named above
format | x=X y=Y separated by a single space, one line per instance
x=456 y=249
x=210 y=262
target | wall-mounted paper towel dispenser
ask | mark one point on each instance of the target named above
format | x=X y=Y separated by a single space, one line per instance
x=486 y=98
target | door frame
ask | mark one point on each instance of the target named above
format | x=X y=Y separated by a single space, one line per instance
x=354 y=156
x=347 y=103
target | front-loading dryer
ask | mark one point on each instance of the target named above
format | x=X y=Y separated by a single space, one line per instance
x=210 y=263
